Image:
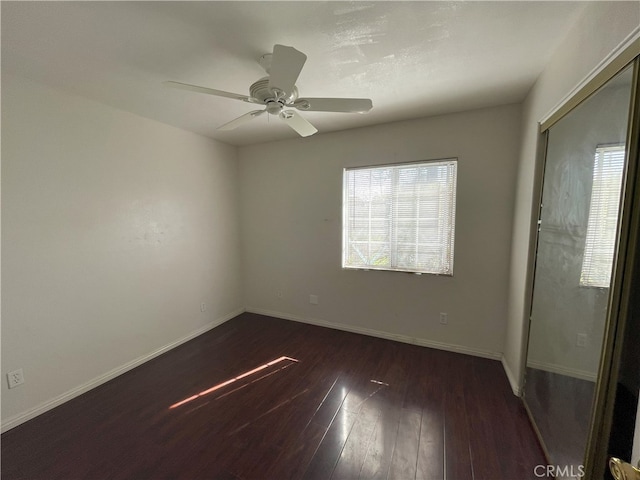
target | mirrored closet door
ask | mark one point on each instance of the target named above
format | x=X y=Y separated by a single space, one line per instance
x=584 y=172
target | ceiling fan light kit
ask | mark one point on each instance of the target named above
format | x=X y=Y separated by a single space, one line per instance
x=278 y=93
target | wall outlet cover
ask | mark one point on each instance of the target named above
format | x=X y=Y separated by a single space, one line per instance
x=581 y=340
x=15 y=378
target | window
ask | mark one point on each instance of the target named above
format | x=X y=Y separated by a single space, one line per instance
x=602 y=225
x=400 y=217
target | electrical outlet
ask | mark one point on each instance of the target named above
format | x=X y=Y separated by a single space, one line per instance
x=313 y=299
x=203 y=307
x=581 y=340
x=444 y=318
x=15 y=378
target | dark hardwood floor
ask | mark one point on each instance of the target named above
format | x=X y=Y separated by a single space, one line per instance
x=227 y=405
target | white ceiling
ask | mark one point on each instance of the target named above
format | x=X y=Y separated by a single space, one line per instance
x=413 y=59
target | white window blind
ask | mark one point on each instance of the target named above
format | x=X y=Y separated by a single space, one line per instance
x=400 y=217
x=602 y=225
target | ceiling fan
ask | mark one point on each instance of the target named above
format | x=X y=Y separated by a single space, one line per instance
x=278 y=93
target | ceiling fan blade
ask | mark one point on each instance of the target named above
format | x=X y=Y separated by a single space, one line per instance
x=241 y=120
x=299 y=124
x=286 y=65
x=208 y=91
x=347 y=105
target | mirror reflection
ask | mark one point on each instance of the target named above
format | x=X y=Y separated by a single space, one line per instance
x=584 y=171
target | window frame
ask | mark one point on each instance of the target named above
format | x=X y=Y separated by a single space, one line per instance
x=450 y=244
x=592 y=280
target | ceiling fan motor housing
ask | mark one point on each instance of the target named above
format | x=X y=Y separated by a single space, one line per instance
x=275 y=100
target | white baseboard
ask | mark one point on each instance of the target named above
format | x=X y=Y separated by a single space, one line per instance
x=513 y=381
x=561 y=370
x=16 y=420
x=380 y=334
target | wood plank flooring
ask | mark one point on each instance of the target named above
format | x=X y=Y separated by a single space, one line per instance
x=341 y=406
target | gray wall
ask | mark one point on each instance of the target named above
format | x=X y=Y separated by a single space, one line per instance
x=292 y=237
x=115 y=229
